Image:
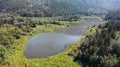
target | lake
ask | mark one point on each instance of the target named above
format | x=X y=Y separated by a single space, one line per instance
x=48 y=44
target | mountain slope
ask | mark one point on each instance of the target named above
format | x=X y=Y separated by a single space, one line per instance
x=57 y=7
x=101 y=46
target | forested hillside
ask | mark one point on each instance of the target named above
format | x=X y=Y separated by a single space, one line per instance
x=101 y=48
x=37 y=8
x=113 y=15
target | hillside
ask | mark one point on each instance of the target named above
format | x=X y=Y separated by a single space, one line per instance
x=29 y=8
x=101 y=46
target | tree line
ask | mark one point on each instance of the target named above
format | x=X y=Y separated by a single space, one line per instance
x=101 y=49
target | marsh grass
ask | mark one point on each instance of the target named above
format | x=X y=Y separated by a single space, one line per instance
x=16 y=58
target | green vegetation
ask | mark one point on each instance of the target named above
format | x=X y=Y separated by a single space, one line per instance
x=18 y=60
x=20 y=20
x=101 y=46
x=16 y=31
x=90 y=31
x=51 y=8
x=92 y=17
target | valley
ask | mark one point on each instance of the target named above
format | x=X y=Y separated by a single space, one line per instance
x=59 y=33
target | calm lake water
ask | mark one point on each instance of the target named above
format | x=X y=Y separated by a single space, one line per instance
x=48 y=44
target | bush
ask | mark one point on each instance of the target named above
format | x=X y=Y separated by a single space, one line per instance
x=2 y=54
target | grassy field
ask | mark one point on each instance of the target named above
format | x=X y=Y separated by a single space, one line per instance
x=16 y=58
x=92 y=17
x=90 y=31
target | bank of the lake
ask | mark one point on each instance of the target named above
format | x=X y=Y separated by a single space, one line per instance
x=48 y=44
x=16 y=58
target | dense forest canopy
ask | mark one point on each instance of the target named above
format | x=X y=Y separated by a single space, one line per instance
x=30 y=8
x=113 y=15
x=102 y=47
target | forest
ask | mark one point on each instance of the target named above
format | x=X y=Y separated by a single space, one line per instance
x=49 y=8
x=102 y=47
